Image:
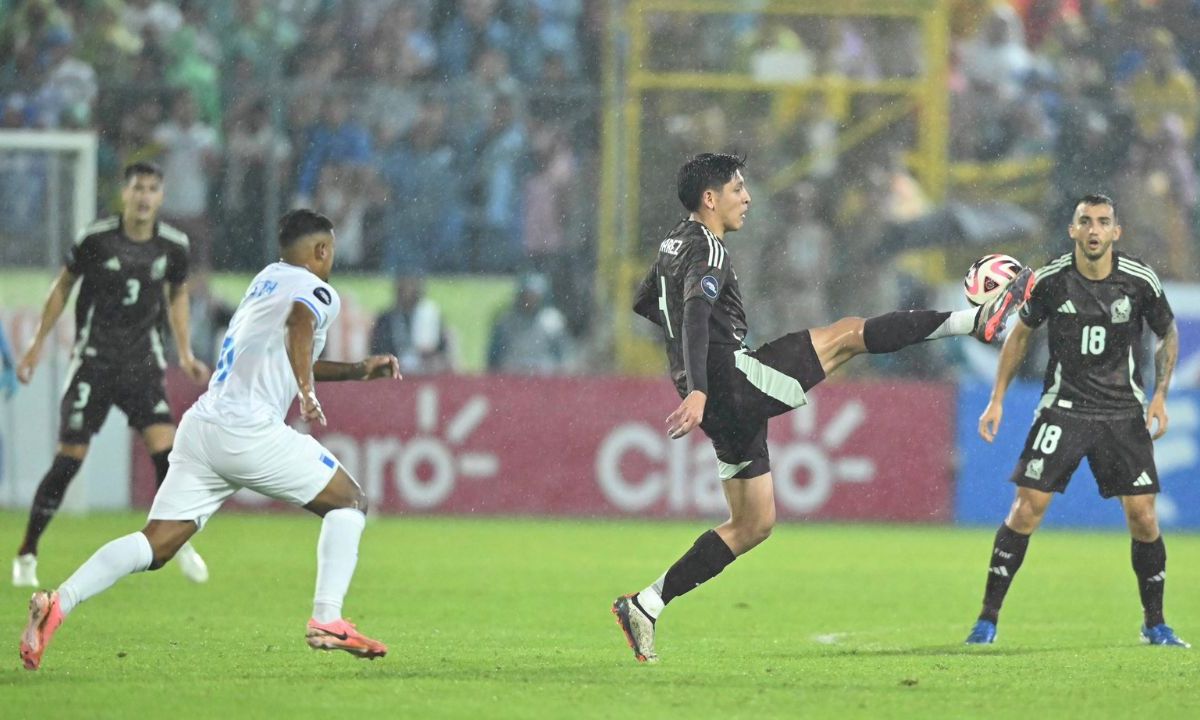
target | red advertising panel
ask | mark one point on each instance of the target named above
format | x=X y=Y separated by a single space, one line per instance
x=598 y=447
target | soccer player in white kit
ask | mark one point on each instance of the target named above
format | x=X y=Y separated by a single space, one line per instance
x=235 y=436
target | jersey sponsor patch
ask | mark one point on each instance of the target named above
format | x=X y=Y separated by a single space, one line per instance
x=323 y=295
x=710 y=286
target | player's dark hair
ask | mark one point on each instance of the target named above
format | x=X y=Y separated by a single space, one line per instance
x=295 y=224
x=707 y=171
x=1097 y=199
x=142 y=167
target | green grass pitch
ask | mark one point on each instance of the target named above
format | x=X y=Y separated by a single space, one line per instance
x=496 y=618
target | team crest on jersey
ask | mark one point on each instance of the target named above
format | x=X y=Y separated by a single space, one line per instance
x=671 y=246
x=159 y=268
x=710 y=286
x=323 y=295
x=1121 y=310
x=112 y=264
x=1033 y=469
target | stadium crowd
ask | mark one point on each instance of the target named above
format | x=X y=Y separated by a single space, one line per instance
x=451 y=136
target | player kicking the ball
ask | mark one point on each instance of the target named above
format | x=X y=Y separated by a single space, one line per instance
x=235 y=437
x=730 y=391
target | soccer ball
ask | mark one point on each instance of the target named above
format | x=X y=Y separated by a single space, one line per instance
x=988 y=276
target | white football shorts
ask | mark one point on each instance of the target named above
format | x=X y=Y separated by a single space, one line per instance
x=209 y=463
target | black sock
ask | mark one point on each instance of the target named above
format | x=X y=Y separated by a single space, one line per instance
x=1008 y=551
x=1150 y=566
x=896 y=330
x=160 y=466
x=46 y=500
x=707 y=557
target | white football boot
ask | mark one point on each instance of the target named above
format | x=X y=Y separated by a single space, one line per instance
x=191 y=564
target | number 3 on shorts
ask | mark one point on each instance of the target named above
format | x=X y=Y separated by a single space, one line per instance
x=83 y=391
x=1046 y=440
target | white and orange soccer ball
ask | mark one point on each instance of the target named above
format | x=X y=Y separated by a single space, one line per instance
x=988 y=276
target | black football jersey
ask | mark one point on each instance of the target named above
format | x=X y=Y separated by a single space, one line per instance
x=121 y=297
x=1095 y=331
x=692 y=263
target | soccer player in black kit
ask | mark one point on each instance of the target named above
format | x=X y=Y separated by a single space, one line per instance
x=1094 y=300
x=730 y=391
x=129 y=265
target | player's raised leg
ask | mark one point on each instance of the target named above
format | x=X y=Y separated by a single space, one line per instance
x=1008 y=552
x=159 y=438
x=46 y=501
x=751 y=518
x=342 y=506
x=148 y=549
x=1149 y=556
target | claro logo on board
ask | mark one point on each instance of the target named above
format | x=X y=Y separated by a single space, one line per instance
x=638 y=466
x=423 y=468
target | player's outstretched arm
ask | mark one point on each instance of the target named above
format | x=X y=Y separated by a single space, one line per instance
x=371 y=368
x=1165 y=357
x=301 y=326
x=1011 y=356
x=179 y=316
x=56 y=301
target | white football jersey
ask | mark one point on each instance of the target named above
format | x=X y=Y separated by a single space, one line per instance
x=253 y=383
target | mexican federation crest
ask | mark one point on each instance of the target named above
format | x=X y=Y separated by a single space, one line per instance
x=1121 y=309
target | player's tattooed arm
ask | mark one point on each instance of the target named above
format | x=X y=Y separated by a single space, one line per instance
x=56 y=301
x=179 y=317
x=372 y=368
x=301 y=327
x=1011 y=356
x=1165 y=357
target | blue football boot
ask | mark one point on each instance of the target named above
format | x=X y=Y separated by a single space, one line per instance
x=984 y=633
x=1162 y=634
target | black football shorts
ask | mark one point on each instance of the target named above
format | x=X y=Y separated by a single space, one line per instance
x=137 y=389
x=754 y=386
x=1118 y=450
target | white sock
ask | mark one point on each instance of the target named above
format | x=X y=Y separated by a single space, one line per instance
x=960 y=322
x=651 y=600
x=337 y=554
x=124 y=556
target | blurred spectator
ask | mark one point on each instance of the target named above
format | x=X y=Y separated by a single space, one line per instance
x=494 y=190
x=22 y=35
x=1159 y=194
x=530 y=337
x=108 y=43
x=424 y=217
x=413 y=330
x=1164 y=87
x=548 y=206
x=8 y=367
x=69 y=92
x=336 y=139
x=153 y=20
x=23 y=176
x=796 y=264
x=255 y=151
x=195 y=58
x=342 y=196
x=209 y=318
x=189 y=151
x=474 y=28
